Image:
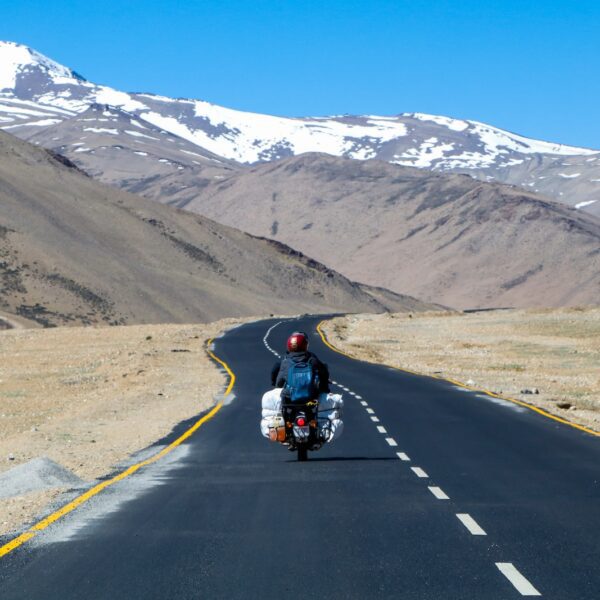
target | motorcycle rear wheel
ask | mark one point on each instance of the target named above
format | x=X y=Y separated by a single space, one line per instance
x=302 y=452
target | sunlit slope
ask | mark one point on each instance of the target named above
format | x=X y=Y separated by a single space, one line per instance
x=441 y=237
x=76 y=251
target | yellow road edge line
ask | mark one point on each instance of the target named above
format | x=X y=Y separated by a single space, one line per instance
x=67 y=508
x=536 y=409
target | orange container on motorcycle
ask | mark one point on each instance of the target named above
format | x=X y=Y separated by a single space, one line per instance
x=277 y=434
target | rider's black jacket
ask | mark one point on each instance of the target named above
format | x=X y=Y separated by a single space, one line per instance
x=280 y=369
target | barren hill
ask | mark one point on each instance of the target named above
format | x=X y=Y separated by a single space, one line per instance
x=442 y=237
x=75 y=251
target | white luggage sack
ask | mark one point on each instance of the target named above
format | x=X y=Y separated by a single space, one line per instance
x=330 y=413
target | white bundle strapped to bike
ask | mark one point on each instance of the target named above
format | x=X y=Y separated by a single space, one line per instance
x=329 y=418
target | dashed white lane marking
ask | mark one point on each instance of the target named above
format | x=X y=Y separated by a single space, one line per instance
x=471 y=524
x=265 y=339
x=419 y=472
x=522 y=585
x=438 y=492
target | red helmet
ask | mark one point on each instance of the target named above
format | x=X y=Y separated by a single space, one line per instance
x=297 y=342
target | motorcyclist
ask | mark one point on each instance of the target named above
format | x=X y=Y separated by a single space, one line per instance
x=297 y=351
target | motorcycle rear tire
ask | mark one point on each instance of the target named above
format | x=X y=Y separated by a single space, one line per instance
x=302 y=452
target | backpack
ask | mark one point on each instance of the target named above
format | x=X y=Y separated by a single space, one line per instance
x=302 y=381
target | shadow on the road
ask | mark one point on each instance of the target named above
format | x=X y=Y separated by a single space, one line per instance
x=345 y=458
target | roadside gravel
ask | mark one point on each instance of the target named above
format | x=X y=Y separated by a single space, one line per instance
x=556 y=352
x=88 y=398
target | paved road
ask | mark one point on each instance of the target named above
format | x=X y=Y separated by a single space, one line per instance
x=231 y=516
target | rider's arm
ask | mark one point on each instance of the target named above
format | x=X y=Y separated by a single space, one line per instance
x=274 y=372
x=323 y=370
x=281 y=376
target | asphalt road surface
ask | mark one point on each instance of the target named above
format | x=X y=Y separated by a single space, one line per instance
x=433 y=492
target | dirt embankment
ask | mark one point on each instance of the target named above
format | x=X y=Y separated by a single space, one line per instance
x=552 y=354
x=89 y=397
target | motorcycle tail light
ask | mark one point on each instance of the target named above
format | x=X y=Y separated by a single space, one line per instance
x=301 y=422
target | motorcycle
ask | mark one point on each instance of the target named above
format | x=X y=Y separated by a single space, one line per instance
x=302 y=427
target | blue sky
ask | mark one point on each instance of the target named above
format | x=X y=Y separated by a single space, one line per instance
x=532 y=67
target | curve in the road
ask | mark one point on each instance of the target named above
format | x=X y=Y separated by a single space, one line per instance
x=430 y=494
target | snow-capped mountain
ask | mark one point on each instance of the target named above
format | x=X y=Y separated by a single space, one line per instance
x=37 y=94
x=119 y=149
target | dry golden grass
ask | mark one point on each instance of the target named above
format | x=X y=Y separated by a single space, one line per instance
x=555 y=351
x=89 y=397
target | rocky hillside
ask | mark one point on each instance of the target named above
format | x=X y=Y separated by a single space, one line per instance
x=441 y=237
x=73 y=251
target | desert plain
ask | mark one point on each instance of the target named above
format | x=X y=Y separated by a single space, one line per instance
x=89 y=397
x=546 y=357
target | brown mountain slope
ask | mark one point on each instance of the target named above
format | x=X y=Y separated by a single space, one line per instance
x=75 y=251
x=441 y=237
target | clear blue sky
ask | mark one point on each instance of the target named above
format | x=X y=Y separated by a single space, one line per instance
x=532 y=67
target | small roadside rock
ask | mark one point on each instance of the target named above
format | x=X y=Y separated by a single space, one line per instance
x=37 y=474
x=564 y=405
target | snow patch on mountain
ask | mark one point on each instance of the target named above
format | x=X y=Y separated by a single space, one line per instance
x=453 y=124
x=425 y=155
x=44 y=123
x=106 y=95
x=101 y=130
x=502 y=141
x=17 y=58
x=587 y=203
x=65 y=101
